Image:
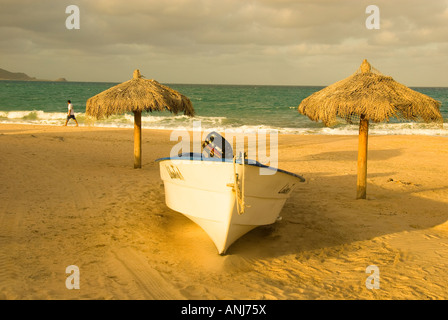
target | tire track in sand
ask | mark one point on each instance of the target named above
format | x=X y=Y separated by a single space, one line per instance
x=9 y=268
x=10 y=228
x=138 y=280
x=27 y=209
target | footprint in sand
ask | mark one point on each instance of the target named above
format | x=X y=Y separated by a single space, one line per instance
x=403 y=182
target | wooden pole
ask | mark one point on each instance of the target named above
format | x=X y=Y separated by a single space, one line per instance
x=362 y=158
x=137 y=139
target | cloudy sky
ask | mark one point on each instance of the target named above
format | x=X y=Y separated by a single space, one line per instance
x=272 y=42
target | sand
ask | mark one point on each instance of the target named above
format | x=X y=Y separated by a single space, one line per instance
x=70 y=196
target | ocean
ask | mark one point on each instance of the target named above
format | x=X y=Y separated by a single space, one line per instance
x=218 y=107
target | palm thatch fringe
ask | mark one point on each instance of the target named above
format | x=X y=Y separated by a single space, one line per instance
x=138 y=94
x=369 y=93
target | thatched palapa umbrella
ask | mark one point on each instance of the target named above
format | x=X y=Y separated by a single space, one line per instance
x=368 y=96
x=137 y=95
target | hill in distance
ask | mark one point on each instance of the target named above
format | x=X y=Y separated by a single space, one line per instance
x=7 y=75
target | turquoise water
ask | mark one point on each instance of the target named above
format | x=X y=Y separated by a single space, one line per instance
x=218 y=107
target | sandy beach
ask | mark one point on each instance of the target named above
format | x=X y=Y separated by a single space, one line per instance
x=70 y=196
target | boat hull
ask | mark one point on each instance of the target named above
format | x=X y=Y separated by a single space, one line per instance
x=205 y=192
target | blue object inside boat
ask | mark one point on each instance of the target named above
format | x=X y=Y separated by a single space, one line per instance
x=216 y=146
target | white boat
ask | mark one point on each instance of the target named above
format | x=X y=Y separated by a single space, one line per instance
x=226 y=197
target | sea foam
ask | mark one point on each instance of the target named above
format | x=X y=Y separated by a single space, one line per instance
x=220 y=124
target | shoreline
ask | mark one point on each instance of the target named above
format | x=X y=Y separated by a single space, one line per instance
x=70 y=196
x=348 y=130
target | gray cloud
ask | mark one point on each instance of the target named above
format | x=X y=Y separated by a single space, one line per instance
x=226 y=41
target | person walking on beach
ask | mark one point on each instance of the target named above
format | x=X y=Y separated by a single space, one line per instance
x=70 y=113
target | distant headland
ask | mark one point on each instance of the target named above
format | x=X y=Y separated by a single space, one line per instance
x=20 y=76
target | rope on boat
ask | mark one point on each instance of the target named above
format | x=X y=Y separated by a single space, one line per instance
x=240 y=204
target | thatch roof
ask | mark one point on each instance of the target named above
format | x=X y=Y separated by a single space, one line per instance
x=376 y=96
x=138 y=94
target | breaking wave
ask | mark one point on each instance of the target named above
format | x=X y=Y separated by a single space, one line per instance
x=181 y=122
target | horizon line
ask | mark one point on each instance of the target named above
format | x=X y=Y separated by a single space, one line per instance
x=210 y=84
